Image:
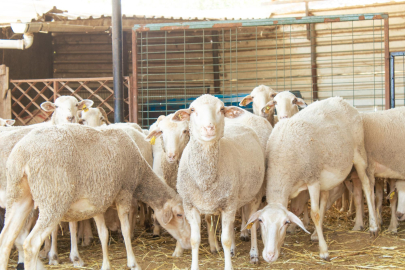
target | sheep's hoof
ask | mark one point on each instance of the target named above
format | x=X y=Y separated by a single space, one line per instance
x=358 y=228
x=244 y=238
x=314 y=237
x=20 y=266
x=325 y=256
x=87 y=242
x=155 y=236
x=373 y=233
x=393 y=229
x=43 y=253
x=254 y=259
x=77 y=261
x=233 y=253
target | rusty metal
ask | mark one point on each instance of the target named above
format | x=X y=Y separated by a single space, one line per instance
x=134 y=84
x=387 y=64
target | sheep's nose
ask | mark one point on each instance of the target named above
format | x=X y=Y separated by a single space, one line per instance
x=209 y=128
x=269 y=256
x=171 y=156
x=70 y=118
x=399 y=215
x=283 y=117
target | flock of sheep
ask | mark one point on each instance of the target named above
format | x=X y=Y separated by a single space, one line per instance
x=209 y=160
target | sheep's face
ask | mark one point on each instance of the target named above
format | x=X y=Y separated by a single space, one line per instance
x=286 y=104
x=175 y=136
x=260 y=96
x=206 y=115
x=93 y=117
x=173 y=219
x=6 y=122
x=65 y=109
x=274 y=220
x=400 y=189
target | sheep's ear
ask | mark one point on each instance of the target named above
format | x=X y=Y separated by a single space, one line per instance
x=48 y=106
x=296 y=220
x=160 y=118
x=266 y=109
x=273 y=95
x=252 y=220
x=181 y=115
x=167 y=214
x=300 y=102
x=246 y=100
x=85 y=102
x=154 y=133
x=233 y=112
x=10 y=122
x=105 y=116
x=81 y=121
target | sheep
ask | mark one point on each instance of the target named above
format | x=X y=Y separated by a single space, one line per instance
x=260 y=96
x=315 y=150
x=63 y=109
x=94 y=169
x=286 y=104
x=221 y=169
x=93 y=117
x=6 y=122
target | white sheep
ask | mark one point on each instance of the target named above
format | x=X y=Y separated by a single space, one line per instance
x=63 y=109
x=93 y=117
x=6 y=122
x=260 y=96
x=315 y=150
x=286 y=104
x=91 y=177
x=221 y=169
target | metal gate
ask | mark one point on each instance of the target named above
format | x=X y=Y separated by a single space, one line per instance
x=397 y=79
x=316 y=56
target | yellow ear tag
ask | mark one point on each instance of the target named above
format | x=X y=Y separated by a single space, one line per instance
x=249 y=226
x=152 y=141
x=392 y=195
x=85 y=109
x=180 y=116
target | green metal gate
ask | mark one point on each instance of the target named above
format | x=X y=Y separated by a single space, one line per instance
x=317 y=56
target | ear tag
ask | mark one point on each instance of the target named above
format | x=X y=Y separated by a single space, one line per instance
x=249 y=226
x=85 y=109
x=180 y=117
x=153 y=140
x=392 y=195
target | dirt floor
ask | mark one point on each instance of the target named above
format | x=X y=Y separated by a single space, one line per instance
x=347 y=249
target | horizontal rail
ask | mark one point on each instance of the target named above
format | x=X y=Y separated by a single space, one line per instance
x=258 y=22
x=66 y=80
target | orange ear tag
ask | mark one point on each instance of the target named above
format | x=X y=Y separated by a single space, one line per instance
x=392 y=195
x=85 y=109
x=153 y=140
x=249 y=226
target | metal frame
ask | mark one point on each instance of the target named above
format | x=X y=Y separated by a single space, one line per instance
x=392 y=75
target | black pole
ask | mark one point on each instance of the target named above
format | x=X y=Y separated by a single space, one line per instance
x=117 y=61
x=392 y=80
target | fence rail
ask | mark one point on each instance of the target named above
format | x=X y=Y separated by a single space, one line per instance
x=27 y=95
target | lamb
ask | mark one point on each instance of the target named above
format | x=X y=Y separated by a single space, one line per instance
x=315 y=150
x=6 y=122
x=260 y=96
x=221 y=169
x=91 y=177
x=286 y=104
x=93 y=117
x=64 y=108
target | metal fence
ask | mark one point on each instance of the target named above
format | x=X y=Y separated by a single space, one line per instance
x=27 y=96
x=397 y=79
x=316 y=56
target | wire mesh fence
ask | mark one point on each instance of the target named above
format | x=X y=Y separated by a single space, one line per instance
x=316 y=57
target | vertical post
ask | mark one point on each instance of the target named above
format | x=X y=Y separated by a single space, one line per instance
x=215 y=59
x=134 y=82
x=392 y=80
x=55 y=90
x=117 y=61
x=5 y=94
x=387 y=63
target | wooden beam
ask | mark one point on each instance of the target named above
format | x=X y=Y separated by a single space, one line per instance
x=215 y=59
x=5 y=93
x=314 y=71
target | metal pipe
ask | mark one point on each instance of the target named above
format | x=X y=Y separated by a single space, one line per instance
x=392 y=79
x=387 y=63
x=20 y=44
x=117 y=61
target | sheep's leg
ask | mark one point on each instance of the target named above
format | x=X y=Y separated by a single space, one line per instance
x=148 y=218
x=194 y=218
x=47 y=247
x=345 y=200
x=178 y=251
x=212 y=238
x=15 y=220
x=315 y=194
x=123 y=214
x=366 y=181
x=322 y=209
x=298 y=205
x=244 y=235
x=19 y=241
x=74 y=252
x=306 y=215
x=379 y=188
x=254 y=250
x=87 y=233
x=358 y=202
x=142 y=214
x=132 y=216
x=103 y=235
x=393 y=205
x=228 y=219
x=53 y=251
x=156 y=228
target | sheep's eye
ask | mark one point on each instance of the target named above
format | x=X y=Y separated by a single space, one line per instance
x=275 y=102
x=192 y=109
x=185 y=131
x=56 y=106
x=222 y=109
x=261 y=221
x=287 y=222
x=179 y=215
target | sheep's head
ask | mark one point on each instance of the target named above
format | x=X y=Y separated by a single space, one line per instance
x=206 y=115
x=93 y=117
x=65 y=109
x=6 y=122
x=173 y=219
x=175 y=136
x=400 y=190
x=274 y=220
x=286 y=104
x=260 y=96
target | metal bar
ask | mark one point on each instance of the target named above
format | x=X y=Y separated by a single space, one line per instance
x=259 y=22
x=387 y=63
x=134 y=82
x=314 y=71
x=392 y=80
x=63 y=80
x=117 y=61
x=397 y=53
x=215 y=59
